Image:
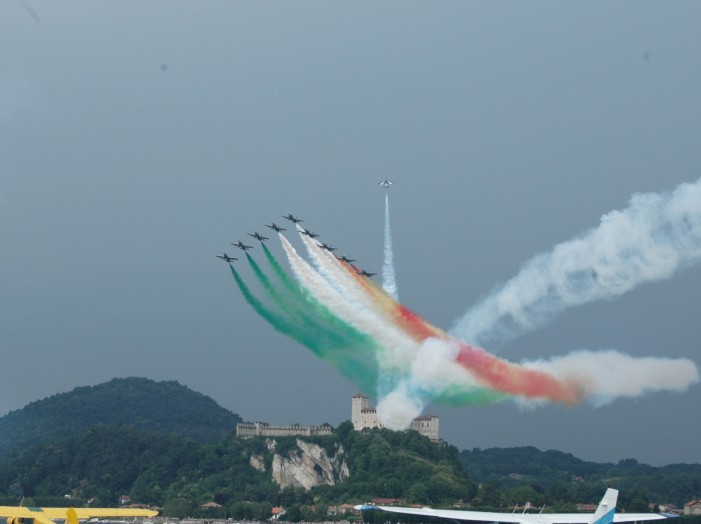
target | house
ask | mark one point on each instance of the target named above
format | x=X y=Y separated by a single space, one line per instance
x=277 y=512
x=342 y=509
x=124 y=499
x=693 y=507
x=210 y=505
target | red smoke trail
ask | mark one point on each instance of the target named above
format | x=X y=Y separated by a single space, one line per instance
x=514 y=379
x=493 y=372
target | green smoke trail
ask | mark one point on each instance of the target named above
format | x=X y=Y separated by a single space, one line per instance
x=458 y=396
x=275 y=320
x=296 y=308
x=453 y=395
x=346 y=349
x=354 y=353
x=318 y=310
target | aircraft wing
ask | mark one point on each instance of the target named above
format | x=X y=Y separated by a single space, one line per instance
x=47 y=515
x=514 y=518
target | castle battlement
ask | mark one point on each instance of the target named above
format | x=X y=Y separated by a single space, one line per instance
x=257 y=429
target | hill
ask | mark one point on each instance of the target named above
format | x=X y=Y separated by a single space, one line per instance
x=243 y=474
x=554 y=477
x=163 y=444
x=165 y=407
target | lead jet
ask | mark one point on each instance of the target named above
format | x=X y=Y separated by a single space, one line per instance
x=292 y=218
x=327 y=247
x=366 y=273
x=385 y=184
x=227 y=258
x=241 y=245
x=605 y=514
x=310 y=234
x=275 y=227
x=257 y=236
x=346 y=259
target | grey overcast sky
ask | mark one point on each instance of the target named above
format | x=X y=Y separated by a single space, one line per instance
x=138 y=139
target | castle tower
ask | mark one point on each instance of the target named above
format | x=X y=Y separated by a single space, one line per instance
x=363 y=417
x=359 y=403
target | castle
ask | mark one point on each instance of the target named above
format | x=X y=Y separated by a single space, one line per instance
x=256 y=429
x=363 y=416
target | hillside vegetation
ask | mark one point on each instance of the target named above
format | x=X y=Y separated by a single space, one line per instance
x=166 y=446
x=165 y=407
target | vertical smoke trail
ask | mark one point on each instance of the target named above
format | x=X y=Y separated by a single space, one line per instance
x=651 y=239
x=389 y=281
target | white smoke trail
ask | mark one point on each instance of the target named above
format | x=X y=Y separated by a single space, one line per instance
x=328 y=266
x=606 y=375
x=399 y=348
x=389 y=280
x=651 y=239
x=338 y=276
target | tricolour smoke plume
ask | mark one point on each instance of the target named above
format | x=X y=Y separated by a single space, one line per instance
x=394 y=354
x=650 y=240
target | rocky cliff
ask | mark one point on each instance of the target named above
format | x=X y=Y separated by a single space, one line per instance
x=306 y=466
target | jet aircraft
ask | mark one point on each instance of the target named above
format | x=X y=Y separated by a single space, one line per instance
x=310 y=234
x=346 y=259
x=227 y=258
x=24 y=514
x=366 y=273
x=292 y=218
x=605 y=514
x=385 y=184
x=275 y=227
x=328 y=247
x=257 y=236
x=241 y=245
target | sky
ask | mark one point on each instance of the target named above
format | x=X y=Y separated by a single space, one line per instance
x=139 y=139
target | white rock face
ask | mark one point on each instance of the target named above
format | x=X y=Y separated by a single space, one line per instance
x=258 y=462
x=309 y=466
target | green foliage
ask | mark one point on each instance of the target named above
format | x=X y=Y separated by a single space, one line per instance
x=166 y=407
x=154 y=449
x=561 y=480
x=404 y=465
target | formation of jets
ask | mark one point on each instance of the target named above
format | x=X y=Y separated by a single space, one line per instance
x=385 y=184
x=227 y=258
x=257 y=236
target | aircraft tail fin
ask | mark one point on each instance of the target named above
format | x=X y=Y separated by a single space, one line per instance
x=607 y=508
x=71 y=516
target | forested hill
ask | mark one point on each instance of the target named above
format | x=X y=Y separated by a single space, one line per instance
x=554 y=476
x=167 y=407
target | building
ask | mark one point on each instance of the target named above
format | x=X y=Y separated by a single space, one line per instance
x=693 y=507
x=342 y=509
x=257 y=429
x=363 y=416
